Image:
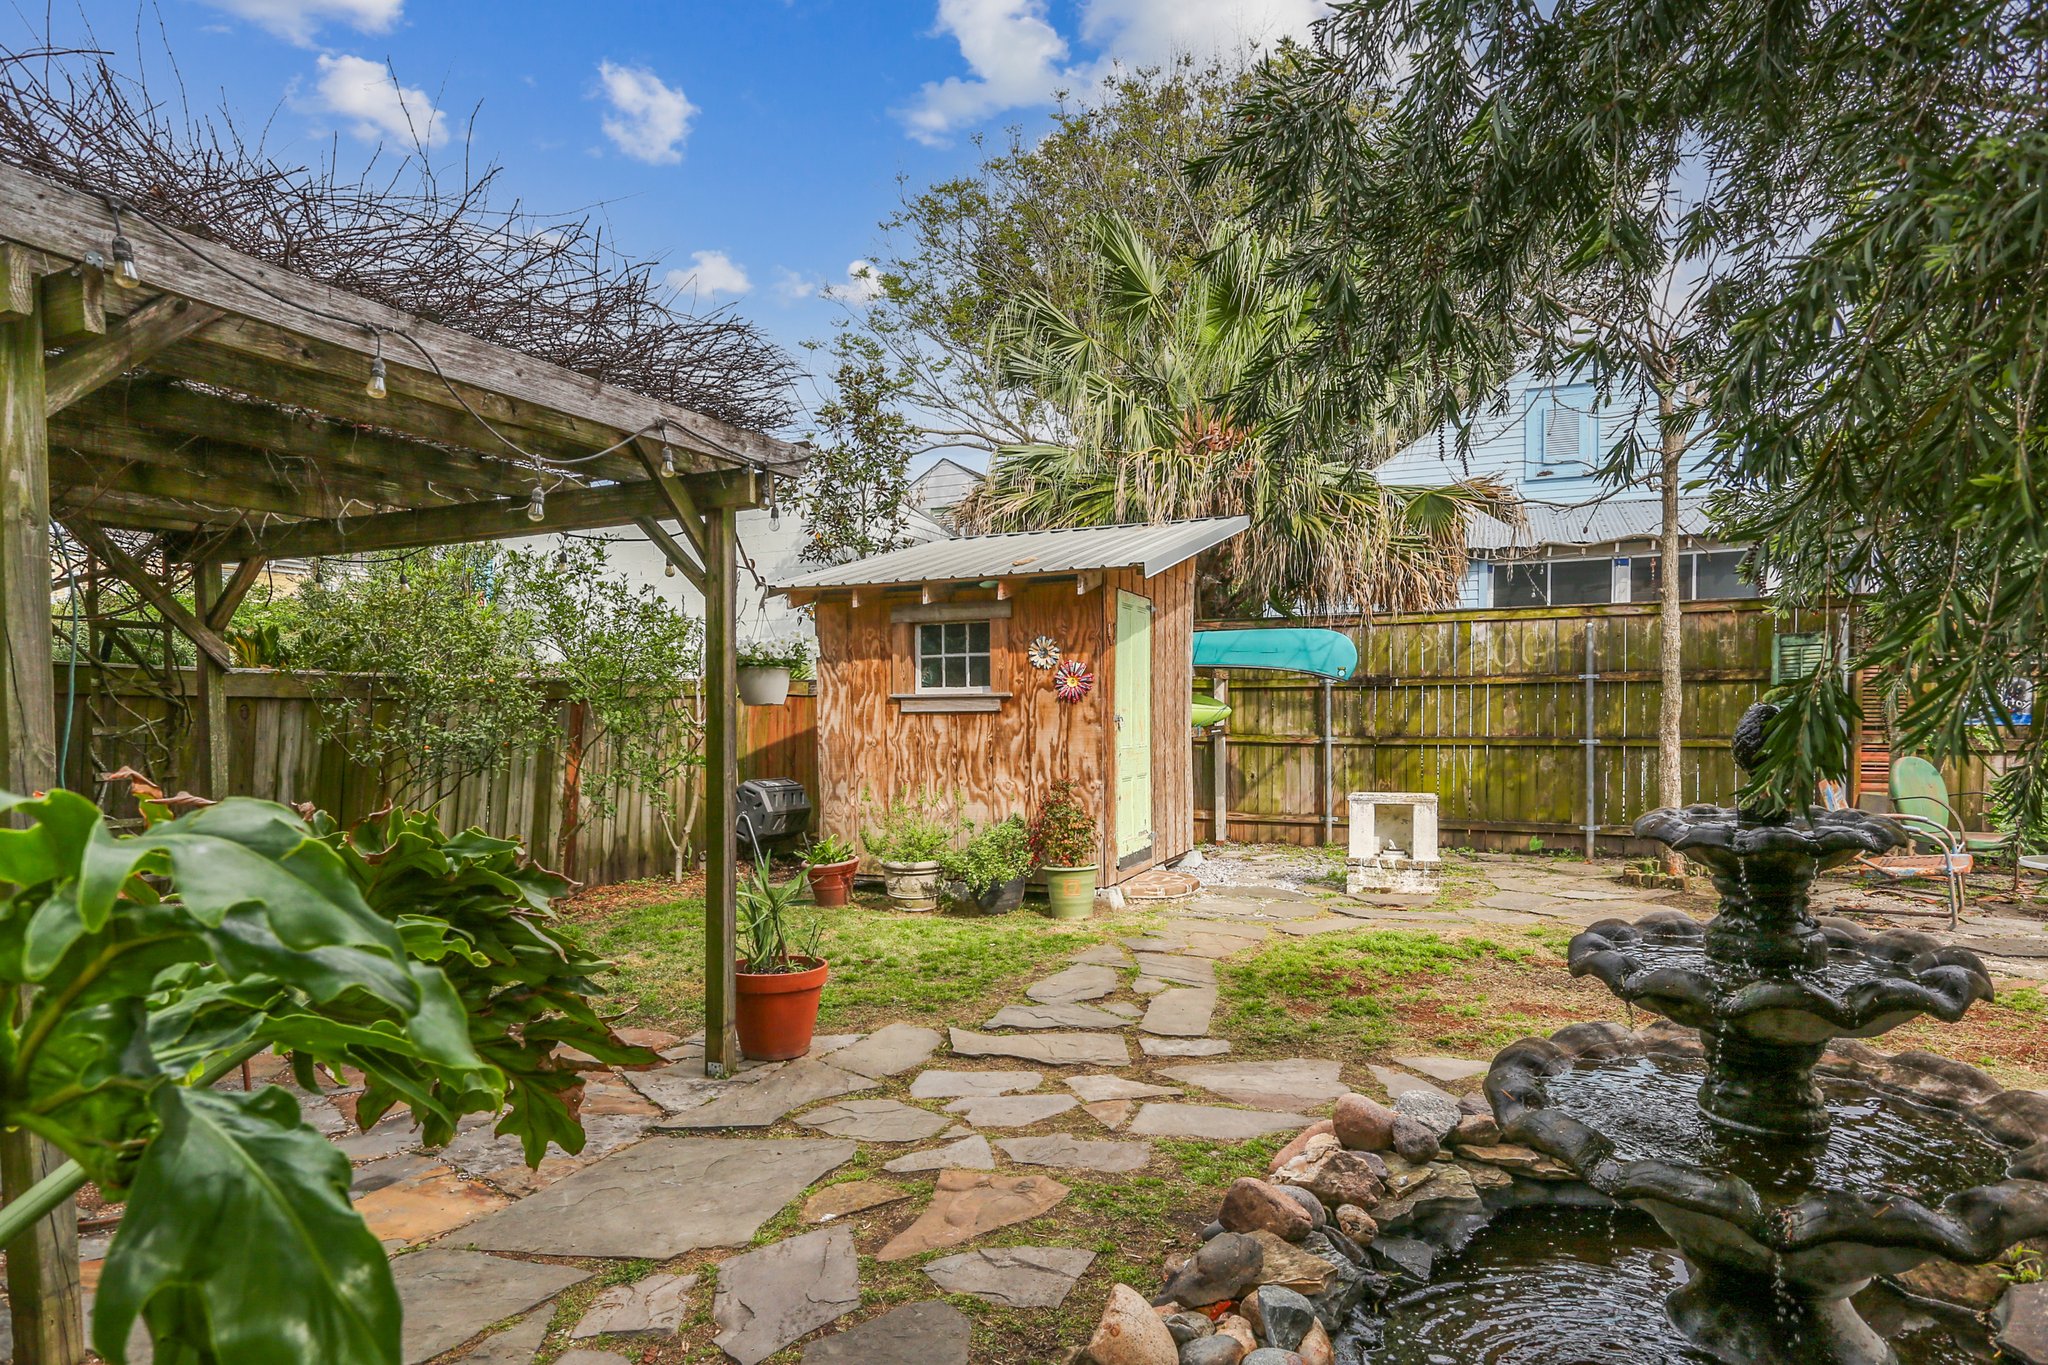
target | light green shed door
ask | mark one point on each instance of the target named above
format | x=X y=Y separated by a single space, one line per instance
x=1133 y=725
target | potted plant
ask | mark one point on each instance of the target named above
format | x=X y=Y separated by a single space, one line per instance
x=1063 y=840
x=779 y=975
x=908 y=844
x=989 y=872
x=766 y=666
x=830 y=864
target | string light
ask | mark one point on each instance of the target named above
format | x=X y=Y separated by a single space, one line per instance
x=668 y=568
x=126 y=276
x=774 y=509
x=375 y=388
x=537 y=504
x=668 y=460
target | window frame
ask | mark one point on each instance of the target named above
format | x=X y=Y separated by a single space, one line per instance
x=968 y=654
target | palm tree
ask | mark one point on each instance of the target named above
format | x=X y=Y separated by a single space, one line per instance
x=1175 y=399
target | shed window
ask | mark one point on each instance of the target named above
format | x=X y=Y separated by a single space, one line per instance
x=952 y=656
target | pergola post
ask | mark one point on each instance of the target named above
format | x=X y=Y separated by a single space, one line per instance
x=210 y=714
x=42 y=1264
x=721 y=807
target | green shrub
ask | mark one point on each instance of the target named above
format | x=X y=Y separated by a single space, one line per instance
x=1063 y=835
x=998 y=854
x=909 y=833
x=827 y=851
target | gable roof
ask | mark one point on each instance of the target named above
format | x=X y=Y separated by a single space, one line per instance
x=1024 y=554
x=943 y=485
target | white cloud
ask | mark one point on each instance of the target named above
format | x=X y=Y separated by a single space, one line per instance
x=715 y=275
x=298 y=20
x=1019 y=59
x=862 y=285
x=367 y=93
x=649 y=119
x=790 y=286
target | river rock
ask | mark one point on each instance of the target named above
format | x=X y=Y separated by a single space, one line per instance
x=1280 y=1316
x=1432 y=1109
x=1413 y=1140
x=1363 y=1124
x=1292 y=1267
x=2021 y=1319
x=1521 y=1160
x=1355 y=1223
x=1187 y=1327
x=1267 y=1355
x=1212 y=1350
x=1404 y=1255
x=1975 y=1287
x=1445 y=1209
x=1222 y=1268
x=1312 y=1206
x=1475 y=1130
x=1300 y=1141
x=1315 y=1348
x=1255 y=1206
x=1238 y=1328
x=1340 y=1176
x=1130 y=1333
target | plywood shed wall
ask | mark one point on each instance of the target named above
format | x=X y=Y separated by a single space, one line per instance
x=877 y=745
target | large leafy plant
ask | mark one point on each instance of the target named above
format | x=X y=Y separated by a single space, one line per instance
x=773 y=937
x=998 y=854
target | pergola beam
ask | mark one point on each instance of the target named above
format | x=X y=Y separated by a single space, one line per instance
x=146 y=331
x=152 y=591
x=234 y=590
x=672 y=551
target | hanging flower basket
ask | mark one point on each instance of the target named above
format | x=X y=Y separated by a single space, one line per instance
x=1072 y=681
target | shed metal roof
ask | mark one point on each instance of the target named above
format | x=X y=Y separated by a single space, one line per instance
x=1021 y=554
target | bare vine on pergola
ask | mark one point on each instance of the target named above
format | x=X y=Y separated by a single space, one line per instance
x=429 y=241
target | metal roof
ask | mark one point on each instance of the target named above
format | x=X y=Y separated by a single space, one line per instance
x=1021 y=554
x=1598 y=523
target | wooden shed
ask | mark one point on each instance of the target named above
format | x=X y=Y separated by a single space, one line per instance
x=940 y=669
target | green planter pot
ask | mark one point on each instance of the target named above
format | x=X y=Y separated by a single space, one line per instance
x=1071 y=891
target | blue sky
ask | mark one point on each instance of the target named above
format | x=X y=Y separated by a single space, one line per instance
x=751 y=145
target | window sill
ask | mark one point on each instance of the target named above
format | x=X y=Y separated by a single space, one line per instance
x=948 y=703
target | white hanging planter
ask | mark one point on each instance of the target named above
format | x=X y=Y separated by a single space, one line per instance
x=763 y=686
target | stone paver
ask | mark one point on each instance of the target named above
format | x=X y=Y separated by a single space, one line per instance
x=1117 y=1088
x=683 y=1085
x=1444 y=1069
x=478 y=1152
x=1013 y=1277
x=1296 y=1083
x=391 y=1170
x=1213 y=1121
x=1184 y=1047
x=762 y=1103
x=947 y=1085
x=968 y=1154
x=1398 y=1083
x=915 y=1334
x=663 y=1198
x=426 y=1206
x=887 y=1051
x=854 y=1196
x=1010 y=1111
x=1123 y=1009
x=770 y=1297
x=1055 y=1016
x=583 y=1355
x=1181 y=1013
x=450 y=1296
x=875 y=1121
x=653 y=1306
x=1077 y=1154
x=1082 y=981
x=388 y=1138
x=1111 y=1114
x=1535 y=902
x=516 y=1345
x=1103 y=955
x=1051 y=1049
x=1156 y=944
x=967 y=1204
x=1185 y=971
x=1148 y=985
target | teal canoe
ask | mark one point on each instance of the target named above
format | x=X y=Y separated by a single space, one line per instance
x=1289 y=649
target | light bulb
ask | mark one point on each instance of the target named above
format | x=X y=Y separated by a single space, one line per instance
x=537 y=504
x=668 y=568
x=668 y=461
x=126 y=276
x=375 y=388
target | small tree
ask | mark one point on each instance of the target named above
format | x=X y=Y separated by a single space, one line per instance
x=853 y=496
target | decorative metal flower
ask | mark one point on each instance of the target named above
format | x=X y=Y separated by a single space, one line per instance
x=1045 y=652
x=1072 y=680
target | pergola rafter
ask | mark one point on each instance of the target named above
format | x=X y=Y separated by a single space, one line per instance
x=228 y=407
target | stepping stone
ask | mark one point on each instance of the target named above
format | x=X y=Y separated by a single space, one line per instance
x=1116 y=1088
x=1123 y=1009
x=1226 y=928
x=1307 y=928
x=389 y=1138
x=450 y=1296
x=855 y=1196
x=1083 y=981
x=768 y=1298
x=1180 y=1014
x=478 y=1152
x=1527 y=901
x=1054 y=1016
x=1010 y=1111
x=829 y=1043
x=887 y=1051
x=1297 y=1083
x=1148 y=985
x=1156 y=944
x=663 y=1198
x=584 y=1356
x=1184 y=1047
x=946 y=1085
x=1111 y=1114
x=1445 y=1069
x=516 y=1345
x=968 y=1154
x=1186 y=971
x=967 y=1204
x=876 y=1121
x=1013 y=1277
x=762 y=1103
x=1214 y=945
x=1077 y=1154
x=654 y=1306
x=1103 y=955
x=1052 y=1049
x=683 y=1085
x=426 y=1206
x=915 y=1334
x=391 y=1170
x=519 y=1180
x=1399 y=1083
x=1211 y=1121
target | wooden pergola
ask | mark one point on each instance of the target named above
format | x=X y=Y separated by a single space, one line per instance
x=238 y=414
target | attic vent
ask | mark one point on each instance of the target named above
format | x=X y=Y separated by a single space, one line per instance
x=1794 y=658
x=1561 y=434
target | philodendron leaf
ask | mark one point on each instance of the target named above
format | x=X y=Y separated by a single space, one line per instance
x=239 y=1243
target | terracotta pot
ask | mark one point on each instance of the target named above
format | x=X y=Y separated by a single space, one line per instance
x=778 y=1011
x=764 y=686
x=832 y=883
x=912 y=886
x=1070 y=891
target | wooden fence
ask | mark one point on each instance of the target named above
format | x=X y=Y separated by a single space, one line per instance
x=276 y=750
x=1532 y=726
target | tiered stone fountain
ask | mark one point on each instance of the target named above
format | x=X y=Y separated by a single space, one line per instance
x=1785 y=1196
